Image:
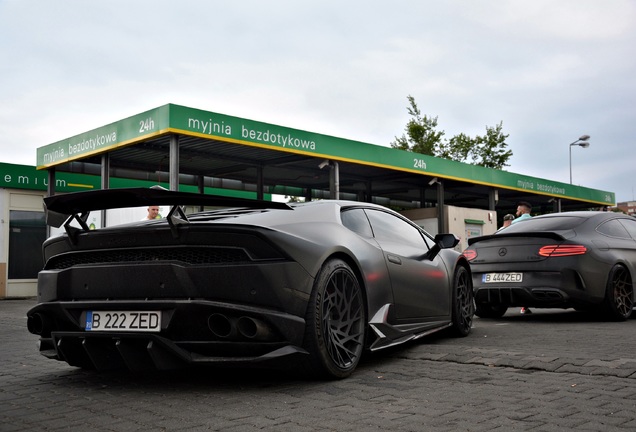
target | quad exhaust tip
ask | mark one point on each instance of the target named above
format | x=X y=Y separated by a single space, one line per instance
x=245 y=327
x=38 y=324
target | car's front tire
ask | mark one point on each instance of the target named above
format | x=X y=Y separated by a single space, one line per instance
x=619 y=294
x=463 y=302
x=335 y=321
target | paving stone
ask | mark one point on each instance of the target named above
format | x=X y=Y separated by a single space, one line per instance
x=550 y=371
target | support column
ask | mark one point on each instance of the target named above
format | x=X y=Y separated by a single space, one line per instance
x=201 y=188
x=441 y=212
x=105 y=181
x=259 y=183
x=493 y=198
x=50 y=187
x=334 y=180
x=50 y=191
x=174 y=163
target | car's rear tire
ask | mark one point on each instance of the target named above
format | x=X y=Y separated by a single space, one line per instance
x=463 y=302
x=335 y=322
x=619 y=294
x=490 y=311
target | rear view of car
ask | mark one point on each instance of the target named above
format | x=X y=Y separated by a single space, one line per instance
x=581 y=260
x=247 y=282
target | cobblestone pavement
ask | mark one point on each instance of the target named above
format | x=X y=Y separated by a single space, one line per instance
x=549 y=371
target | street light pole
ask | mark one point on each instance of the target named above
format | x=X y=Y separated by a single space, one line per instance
x=582 y=142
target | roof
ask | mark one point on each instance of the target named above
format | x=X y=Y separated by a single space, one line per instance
x=217 y=147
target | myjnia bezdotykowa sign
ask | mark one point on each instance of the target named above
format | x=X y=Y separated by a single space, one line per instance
x=189 y=121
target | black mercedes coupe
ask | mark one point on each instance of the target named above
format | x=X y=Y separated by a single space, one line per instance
x=248 y=282
x=584 y=260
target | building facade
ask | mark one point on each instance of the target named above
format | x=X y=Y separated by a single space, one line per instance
x=627 y=207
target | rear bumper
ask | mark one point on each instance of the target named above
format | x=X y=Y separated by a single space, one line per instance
x=520 y=296
x=192 y=332
x=562 y=288
x=538 y=297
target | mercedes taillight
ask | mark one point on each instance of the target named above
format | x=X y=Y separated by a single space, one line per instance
x=562 y=250
x=470 y=254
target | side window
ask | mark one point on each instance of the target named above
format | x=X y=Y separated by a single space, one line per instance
x=395 y=234
x=357 y=221
x=630 y=226
x=613 y=228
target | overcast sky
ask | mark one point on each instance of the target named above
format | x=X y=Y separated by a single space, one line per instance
x=551 y=71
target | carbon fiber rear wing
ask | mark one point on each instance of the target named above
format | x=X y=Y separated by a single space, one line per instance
x=64 y=209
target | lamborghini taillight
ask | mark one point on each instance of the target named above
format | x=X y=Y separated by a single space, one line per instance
x=562 y=250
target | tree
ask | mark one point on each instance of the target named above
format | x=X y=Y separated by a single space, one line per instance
x=490 y=150
x=423 y=137
x=458 y=148
x=421 y=134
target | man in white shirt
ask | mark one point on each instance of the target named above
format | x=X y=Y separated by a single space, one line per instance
x=153 y=213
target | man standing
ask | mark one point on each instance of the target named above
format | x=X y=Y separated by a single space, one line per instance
x=507 y=220
x=523 y=211
x=153 y=213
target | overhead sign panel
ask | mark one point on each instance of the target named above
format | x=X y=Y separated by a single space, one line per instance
x=249 y=132
x=205 y=124
x=106 y=138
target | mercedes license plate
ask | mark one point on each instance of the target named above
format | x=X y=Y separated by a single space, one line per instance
x=132 y=321
x=502 y=277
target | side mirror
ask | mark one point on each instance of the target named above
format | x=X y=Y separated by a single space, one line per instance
x=442 y=241
x=446 y=241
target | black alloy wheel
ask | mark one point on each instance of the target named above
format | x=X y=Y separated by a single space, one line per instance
x=463 y=302
x=619 y=294
x=336 y=321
